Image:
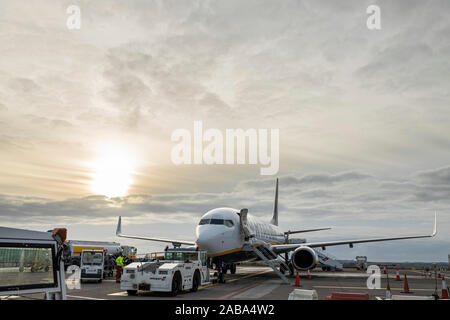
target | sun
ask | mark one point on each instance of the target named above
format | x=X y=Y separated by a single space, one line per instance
x=112 y=174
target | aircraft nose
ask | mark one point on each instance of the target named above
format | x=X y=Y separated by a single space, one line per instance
x=204 y=240
x=201 y=239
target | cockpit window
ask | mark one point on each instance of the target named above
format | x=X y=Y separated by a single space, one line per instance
x=216 y=221
x=204 y=221
x=229 y=223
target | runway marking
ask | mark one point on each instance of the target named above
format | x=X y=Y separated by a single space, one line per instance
x=365 y=288
x=238 y=291
x=87 y=298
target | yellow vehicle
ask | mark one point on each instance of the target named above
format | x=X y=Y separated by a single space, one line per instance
x=109 y=248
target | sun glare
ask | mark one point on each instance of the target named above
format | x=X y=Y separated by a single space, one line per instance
x=112 y=175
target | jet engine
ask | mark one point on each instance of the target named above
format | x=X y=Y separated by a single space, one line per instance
x=304 y=258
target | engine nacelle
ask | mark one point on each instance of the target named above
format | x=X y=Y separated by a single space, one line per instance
x=304 y=258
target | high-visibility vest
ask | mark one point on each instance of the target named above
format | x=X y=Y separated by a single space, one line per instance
x=119 y=261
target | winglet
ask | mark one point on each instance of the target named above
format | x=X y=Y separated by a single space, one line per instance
x=435 y=225
x=119 y=227
x=274 y=220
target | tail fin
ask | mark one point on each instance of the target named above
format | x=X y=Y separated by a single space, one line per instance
x=274 y=220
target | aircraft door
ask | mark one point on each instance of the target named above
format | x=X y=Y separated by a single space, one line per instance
x=243 y=222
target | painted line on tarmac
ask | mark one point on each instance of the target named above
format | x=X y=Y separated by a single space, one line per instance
x=232 y=280
x=250 y=275
x=238 y=291
x=120 y=294
x=365 y=288
x=124 y=293
x=9 y=297
x=246 y=288
x=349 y=275
x=86 y=298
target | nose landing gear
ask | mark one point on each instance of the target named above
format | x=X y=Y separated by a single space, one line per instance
x=222 y=269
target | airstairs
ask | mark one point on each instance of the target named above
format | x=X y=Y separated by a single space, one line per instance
x=328 y=261
x=271 y=260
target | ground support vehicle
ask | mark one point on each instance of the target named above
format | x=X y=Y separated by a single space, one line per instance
x=92 y=264
x=171 y=271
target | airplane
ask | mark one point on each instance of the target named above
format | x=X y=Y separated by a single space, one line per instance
x=231 y=236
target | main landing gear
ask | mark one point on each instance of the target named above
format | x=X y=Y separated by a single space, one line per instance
x=231 y=267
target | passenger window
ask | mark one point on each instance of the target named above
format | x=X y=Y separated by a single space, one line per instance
x=229 y=223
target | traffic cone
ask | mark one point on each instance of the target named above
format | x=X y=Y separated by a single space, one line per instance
x=308 y=275
x=444 y=289
x=397 y=276
x=297 y=280
x=405 y=286
x=388 y=292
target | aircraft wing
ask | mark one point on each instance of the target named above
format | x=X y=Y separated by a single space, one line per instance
x=282 y=248
x=174 y=242
x=306 y=230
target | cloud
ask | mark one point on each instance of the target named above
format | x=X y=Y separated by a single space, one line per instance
x=438 y=177
x=358 y=110
x=318 y=196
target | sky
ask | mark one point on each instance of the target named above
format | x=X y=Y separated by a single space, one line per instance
x=86 y=117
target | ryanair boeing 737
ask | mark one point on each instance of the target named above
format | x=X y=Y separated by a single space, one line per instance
x=231 y=236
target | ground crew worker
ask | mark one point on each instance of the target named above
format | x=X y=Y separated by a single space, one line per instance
x=222 y=272
x=119 y=266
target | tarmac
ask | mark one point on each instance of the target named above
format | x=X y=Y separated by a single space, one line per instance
x=261 y=283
